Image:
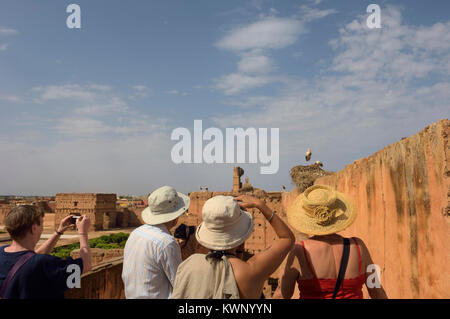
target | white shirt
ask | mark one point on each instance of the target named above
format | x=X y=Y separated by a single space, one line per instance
x=150 y=262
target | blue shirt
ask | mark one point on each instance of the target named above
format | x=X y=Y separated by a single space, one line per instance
x=41 y=277
x=150 y=262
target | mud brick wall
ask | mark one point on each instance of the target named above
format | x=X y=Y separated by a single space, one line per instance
x=99 y=255
x=93 y=205
x=103 y=282
x=109 y=220
x=134 y=216
x=402 y=195
x=4 y=210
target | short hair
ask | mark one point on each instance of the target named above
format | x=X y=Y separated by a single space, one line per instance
x=20 y=219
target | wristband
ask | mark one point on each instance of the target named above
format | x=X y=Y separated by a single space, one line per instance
x=269 y=219
x=60 y=234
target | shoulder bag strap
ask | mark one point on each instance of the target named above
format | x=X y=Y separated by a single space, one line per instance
x=13 y=271
x=343 y=267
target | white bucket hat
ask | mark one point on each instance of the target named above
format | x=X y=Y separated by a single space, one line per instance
x=164 y=204
x=224 y=225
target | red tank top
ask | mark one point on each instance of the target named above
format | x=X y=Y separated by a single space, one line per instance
x=316 y=288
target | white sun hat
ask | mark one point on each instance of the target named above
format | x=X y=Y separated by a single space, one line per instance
x=165 y=204
x=224 y=225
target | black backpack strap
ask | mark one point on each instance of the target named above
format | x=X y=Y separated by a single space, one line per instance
x=343 y=267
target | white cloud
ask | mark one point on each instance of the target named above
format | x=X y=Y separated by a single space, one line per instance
x=67 y=91
x=310 y=14
x=140 y=91
x=114 y=105
x=381 y=85
x=269 y=33
x=95 y=109
x=82 y=127
x=255 y=63
x=173 y=92
x=89 y=127
x=235 y=82
x=253 y=41
x=99 y=87
x=8 y=31
x=10 y=98
x=4 y=32
x=140 y=88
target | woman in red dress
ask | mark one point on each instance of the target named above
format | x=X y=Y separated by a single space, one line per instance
x=314 y=264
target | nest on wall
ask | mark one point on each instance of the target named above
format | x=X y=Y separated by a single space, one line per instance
x=304 y=176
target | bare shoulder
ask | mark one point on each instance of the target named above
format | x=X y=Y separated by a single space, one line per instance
x=240 y=267
x=360 y=243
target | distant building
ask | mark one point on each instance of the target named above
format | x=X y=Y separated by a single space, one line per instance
x=101 y=208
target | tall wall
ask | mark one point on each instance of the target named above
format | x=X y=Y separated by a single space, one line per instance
x=402 y=194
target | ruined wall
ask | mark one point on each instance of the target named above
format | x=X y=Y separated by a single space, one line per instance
x=402 y=194
x=99 y=255
x=104 y=281
x=4 y=210
x=96 y=206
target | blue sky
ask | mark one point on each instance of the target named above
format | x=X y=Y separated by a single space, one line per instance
x=92 y=110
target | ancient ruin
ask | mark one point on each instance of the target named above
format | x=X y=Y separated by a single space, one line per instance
x=101 y=208
x=402 y=195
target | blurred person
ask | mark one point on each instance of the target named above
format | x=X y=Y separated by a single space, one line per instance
x=327 y=265
x=152 y=255
x=29 y=273
x=220 y=274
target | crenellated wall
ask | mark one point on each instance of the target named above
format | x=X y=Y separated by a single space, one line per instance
x=402 y=194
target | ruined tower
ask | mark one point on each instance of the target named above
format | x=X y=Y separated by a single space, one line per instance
x=237 y=173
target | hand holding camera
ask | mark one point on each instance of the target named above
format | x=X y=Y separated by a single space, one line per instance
x=65 y=224
x=83 y=222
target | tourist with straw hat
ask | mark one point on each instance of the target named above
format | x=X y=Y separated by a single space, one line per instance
x=152 y=255
x=327 y=265
x=221 y=274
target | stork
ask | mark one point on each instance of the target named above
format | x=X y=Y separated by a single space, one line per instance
x=308 y=155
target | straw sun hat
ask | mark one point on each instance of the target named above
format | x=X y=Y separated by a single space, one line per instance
x=164 y=204
x=224 y=225
x=320 y=210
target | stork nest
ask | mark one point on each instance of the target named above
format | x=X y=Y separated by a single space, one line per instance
x=304 y=176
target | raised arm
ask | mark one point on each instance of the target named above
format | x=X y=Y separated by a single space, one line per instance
x=263 y=264
x=83 y=224
x=47 y=247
